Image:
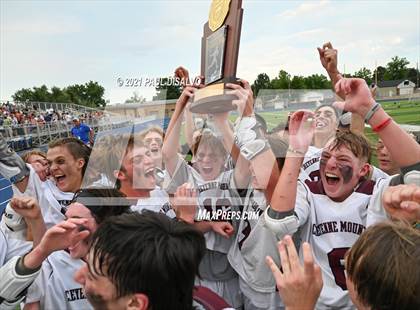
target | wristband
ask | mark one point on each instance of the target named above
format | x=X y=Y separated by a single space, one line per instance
x=252 y=149
x=292 y=150
x=372 y=111
x=382 y=125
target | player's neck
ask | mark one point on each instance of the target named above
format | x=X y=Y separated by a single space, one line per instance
x=131 y=192
x=321 y=139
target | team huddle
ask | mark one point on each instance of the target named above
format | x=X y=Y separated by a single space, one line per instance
x=236 y=218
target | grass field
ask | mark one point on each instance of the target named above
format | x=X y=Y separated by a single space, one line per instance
x=403 y=112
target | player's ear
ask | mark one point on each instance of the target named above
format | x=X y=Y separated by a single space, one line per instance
x=80 y=163
x=120 y=175
x=365 y=170
x=138 y=302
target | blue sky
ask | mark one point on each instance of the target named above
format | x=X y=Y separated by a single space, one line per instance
x=67 y=42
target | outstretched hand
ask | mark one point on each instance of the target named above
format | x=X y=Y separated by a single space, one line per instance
x=301 y=130
x=328 y=57
x=182 y=74
x=358 y=95
x=299 y=286
x=27 y=207
x=63 y=235
x=186 y=96
x=245 y=101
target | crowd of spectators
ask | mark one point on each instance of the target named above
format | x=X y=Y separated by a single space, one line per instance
x=16 y=114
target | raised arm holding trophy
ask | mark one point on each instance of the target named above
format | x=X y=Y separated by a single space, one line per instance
x=219 y=57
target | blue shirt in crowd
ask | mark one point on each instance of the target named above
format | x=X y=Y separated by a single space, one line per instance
x=81 y=132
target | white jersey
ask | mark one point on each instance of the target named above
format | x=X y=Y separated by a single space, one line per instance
x=310 y=164
x=332 y=228
x=247 y=253
x=157 y=202
x=53 y=203
x=212 y=196
x=55 y=287
x=376 y=212
x=51 y=200
x=10 y=247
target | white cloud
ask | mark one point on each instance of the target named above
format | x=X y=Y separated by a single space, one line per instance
x=42 y=26
x=304 y=8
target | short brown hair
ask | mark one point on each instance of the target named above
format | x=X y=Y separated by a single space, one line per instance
x=115 y=152
x=356 y=143
x=383 y=265
x=156 y=129
x=207 y=138
x=28 y=154
x=76 y=148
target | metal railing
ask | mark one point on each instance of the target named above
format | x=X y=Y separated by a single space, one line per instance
x=23 y=137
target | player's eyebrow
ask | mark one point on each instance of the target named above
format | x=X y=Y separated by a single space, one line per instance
x=346 y=157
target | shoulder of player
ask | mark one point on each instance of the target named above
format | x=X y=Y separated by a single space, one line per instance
x=365 y=187
x=314 y=187
x=59 y=259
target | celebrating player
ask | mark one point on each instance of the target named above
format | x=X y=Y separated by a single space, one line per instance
x=332 y=213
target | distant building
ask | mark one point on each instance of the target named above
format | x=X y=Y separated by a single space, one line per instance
x=395 y=88
x=158 y=108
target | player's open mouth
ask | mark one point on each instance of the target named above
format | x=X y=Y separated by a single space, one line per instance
x=59 y=178
x=207 y=170
x=331 y=178
x=154 y=150
x=320 y=123
x=150 y=172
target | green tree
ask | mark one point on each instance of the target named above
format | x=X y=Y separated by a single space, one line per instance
x=136 y=98
x=317 y=81
x=89 y=94
x=282 y=81
x=59 y=95
x=165 y=91
x=22 y=95
x=298 y=82
x=380 y=71
x=396 y=69
x=41 y=94
x=364 y=73
x=93 y=94
x=413 y=74
x=262 y=82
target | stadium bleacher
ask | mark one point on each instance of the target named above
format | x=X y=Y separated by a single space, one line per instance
x=5 y=193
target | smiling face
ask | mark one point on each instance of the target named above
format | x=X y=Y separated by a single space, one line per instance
x=153 y=140
x=77 y=210
x=341 y=171
x=138 y=169
x=65 y=169
x=325 y=120
x=209 y=162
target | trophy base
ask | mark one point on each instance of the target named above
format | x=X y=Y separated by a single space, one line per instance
x=212 y=99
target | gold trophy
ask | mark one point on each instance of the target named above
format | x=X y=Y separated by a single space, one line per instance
x=219 y=56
